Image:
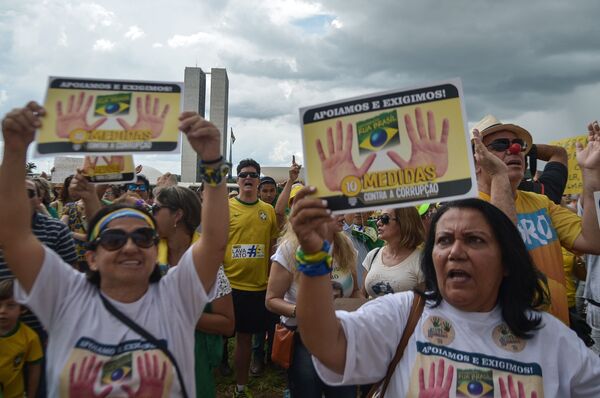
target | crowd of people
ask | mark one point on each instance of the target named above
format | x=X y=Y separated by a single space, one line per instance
x=136 y=290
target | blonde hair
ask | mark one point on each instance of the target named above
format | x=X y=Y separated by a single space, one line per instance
x=412 y=231
x=344 y=254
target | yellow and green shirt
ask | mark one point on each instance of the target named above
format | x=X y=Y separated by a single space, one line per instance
x=21 y=345
x=252 y=226
x=546 y=227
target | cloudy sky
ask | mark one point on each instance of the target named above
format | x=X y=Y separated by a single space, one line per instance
x=534 y=63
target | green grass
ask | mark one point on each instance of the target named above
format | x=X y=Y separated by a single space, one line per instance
x=270 y=384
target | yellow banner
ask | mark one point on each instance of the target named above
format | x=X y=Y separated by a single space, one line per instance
x=574 y=182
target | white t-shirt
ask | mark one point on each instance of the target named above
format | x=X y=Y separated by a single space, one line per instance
x=84 y=335
x=383 y=279
x=341 y=280
x=476 y=350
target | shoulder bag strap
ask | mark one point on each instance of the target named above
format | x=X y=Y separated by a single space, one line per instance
x=147 y=336
x=413 y=318
x=375 y=255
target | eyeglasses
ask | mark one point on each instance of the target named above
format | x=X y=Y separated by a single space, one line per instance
x=245 y=174
x=385 y=219
x=155 y=208
x=502 y=144
x=31 y=193
x=135 y=187
x=114 y=239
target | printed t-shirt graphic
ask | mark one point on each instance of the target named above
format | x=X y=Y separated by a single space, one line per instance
x=132 y=367
x=252 y=226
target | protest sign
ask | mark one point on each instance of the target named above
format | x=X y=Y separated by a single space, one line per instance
x=390 y=149
x=90 y=116
x=575 y=180
x=98 y=169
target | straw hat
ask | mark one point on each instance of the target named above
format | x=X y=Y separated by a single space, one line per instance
x=489 y=125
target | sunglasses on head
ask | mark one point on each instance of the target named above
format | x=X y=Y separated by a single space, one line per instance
x=385 y=219
x=245 y=174
x=502 y=144
x=135 y=187
x=114 y=239
x=31 y=193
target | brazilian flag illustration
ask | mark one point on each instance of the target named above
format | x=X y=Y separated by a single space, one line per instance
x=118 y=369
x=378 y=132
x=471 y=383
x=114 y=104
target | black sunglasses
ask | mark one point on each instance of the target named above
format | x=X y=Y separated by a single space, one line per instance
x=245 y=174
x=31 y=193
x=502 y=144
x=135 y=187
x=385 y=219
x=114 y=239
x=155 y=208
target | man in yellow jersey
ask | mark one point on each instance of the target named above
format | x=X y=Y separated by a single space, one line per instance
x=500 y=151
x=253 y=232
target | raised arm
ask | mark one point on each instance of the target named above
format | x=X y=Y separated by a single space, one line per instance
x=321 y=331
x=284 y=196
x=552 y=153
x=209 y=250
x=500 y=189
x=23 y=252
x=81 y=187
x=589 y=162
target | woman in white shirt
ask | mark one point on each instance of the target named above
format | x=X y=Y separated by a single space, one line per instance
x=395 y=267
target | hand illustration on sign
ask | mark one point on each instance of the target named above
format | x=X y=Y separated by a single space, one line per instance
x=425 y=149
x=74 y=118
x=148 y=117
x=339 y=163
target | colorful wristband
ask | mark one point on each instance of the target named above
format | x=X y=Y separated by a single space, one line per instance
x=214 y=175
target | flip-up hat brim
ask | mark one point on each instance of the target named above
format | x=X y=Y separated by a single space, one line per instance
x=489 y=125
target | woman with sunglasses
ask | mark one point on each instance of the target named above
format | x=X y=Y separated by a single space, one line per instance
x=177 y=211
x=96 y=325
x=395 y=267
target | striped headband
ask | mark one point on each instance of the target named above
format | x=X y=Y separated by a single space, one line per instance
x=126 y=212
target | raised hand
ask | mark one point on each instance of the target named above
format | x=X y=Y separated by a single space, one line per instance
x=308 y=218
x=203 y=136
x=340 y=164
x=425 y=148
x=152 y=378
x=82 y=383
x=75 y=116
x=489 y=162
x=439 y=387
x=294 y=171
x=589 y=157
x=148 y=117
x=19 y=125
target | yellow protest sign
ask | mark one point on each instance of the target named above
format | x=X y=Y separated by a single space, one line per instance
x=393 y=149
x=92 y=116
x=575 y=181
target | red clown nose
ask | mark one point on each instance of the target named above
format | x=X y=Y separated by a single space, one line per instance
x=514 y=149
